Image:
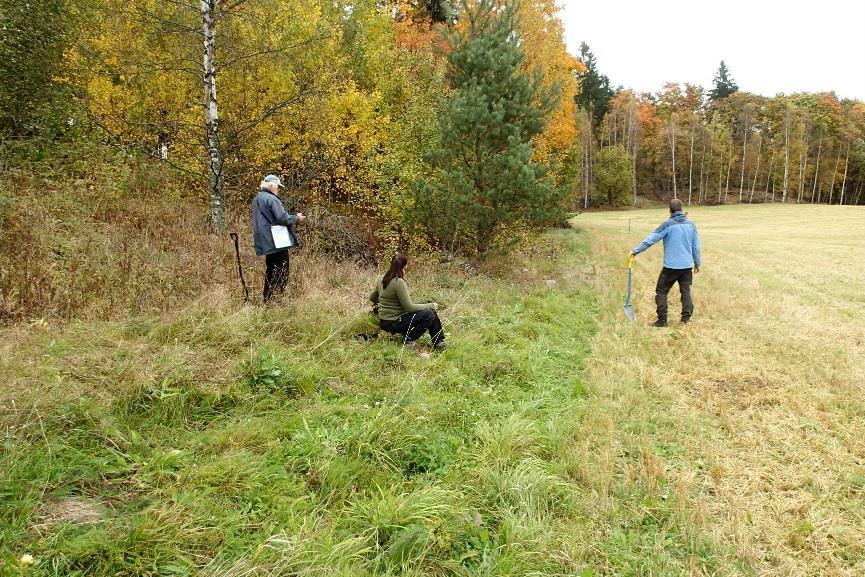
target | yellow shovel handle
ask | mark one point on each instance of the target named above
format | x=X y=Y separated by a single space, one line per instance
x=630 y=261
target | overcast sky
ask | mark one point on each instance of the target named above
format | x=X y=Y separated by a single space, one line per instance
x=770 y=46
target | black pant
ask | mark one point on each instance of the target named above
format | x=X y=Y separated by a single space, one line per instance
x=669 y=277
x=276 y=274
x=413 y=325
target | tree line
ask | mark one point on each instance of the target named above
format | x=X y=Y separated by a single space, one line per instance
x=358 y=104
x=450 y=124
x=720 y=146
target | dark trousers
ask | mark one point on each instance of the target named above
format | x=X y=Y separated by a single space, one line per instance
x=669 y=277
x=276 y=274
x=413 y=325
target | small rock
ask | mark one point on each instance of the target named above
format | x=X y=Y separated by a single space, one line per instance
x=424 y=356
x=550 y=282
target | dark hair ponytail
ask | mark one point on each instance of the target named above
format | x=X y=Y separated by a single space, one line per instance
x=397 y=264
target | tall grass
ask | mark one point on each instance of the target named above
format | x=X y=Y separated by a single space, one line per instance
x=227 y=440
x=87 y=233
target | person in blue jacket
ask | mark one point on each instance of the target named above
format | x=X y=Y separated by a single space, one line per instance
x=267 y=211
x=681 y=260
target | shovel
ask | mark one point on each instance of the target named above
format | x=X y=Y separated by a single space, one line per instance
x=629 y=308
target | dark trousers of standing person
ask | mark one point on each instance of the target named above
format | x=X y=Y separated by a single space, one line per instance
x=413 y=325
x=276 y=274
x=669 y=277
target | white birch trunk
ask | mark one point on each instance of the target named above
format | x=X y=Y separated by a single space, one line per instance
x=744 y=159
x=216 y=179
x=803 y=164
x=702 y=165
x=727 y=186
x=786 y=156
x=632 y=138
x=846 y=165
x=834 y=174
x=720 y=174
x=817 y=166
x=756 y=171
x=691 y=164
x=769 y=176
x=673 y=151
x=585 y=172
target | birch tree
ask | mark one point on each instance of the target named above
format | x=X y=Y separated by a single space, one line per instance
x=746 y=128
x=834 y=174
x=846 y=164
x=216 y=179
x=691 y=160
x=756 y=170
x=817 y=165
x=672 y=140
x=786 y=152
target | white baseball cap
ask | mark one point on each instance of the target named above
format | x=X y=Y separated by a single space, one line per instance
x=274 y=178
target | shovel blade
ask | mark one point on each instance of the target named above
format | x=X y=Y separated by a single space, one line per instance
x=629 y=313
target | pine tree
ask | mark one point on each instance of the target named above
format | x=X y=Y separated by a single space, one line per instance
x=33 y=38
x=595 y=92
x=439 y=11
x=724 y=85
x=487 y=179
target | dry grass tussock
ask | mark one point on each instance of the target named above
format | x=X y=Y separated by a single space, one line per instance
x=759 y=400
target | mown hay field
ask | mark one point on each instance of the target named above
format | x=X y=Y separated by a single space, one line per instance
x=756 y=410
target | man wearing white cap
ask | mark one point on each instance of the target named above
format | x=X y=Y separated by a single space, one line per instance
x=273 y=230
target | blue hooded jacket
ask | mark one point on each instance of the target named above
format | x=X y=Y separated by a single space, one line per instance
x=681 y=242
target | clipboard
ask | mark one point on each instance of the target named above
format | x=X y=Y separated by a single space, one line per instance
x=281 y=237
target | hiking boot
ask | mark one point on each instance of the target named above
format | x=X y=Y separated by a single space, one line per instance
x=410 y=344
x=685 y=321
x=441 y=345
x=659 y=323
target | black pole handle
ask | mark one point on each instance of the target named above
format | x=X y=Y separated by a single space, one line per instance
x=234 y=237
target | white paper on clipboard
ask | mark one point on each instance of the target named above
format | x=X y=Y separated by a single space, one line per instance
x=281 y=237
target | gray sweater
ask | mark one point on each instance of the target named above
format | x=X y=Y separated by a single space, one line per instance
x=267 y=211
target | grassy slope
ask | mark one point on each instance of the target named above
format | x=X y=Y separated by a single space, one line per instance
x=756 y=409
x=552 y=439
x=218 y=441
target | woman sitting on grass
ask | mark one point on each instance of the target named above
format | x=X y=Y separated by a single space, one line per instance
x=398 y=315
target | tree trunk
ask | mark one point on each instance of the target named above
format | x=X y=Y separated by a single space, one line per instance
x=632 y=138
x=483 y=242
x=769 y=176
x=858 y=193
x=216 y=179
x=729 y=167
x=786 y=155
x=691 y=164
x=817 y=165
x=756 y=171
x=844 y=182
x=702 y=166
x=720 y=174
x=803 y=164
x=834 y=174
x=587 y=139
x=673 y=151
x=744 y=155
x=590 y=157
